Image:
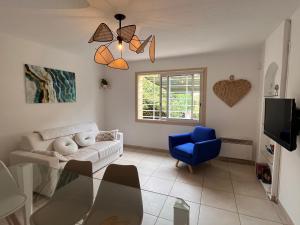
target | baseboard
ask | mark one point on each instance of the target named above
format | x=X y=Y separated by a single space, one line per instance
x=284 y=216
x=240 y=161
x=146 y=148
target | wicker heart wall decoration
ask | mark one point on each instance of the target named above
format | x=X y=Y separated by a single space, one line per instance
x=232 y=91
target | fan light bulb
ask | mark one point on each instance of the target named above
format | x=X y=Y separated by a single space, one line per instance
x=120 y=46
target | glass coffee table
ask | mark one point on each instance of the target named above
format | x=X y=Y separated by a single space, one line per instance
x=55 y=199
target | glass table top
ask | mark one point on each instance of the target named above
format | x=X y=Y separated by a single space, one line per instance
x=55 y=197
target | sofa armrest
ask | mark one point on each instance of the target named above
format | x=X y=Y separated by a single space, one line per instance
x=120 y=137
x=179 y=139
x=25 y=156
x=206 y=150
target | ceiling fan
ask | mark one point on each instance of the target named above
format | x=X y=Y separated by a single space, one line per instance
x=125 y=34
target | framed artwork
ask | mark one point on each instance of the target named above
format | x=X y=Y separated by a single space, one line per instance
x=46 y=85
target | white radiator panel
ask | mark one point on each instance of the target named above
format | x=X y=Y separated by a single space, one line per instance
x=237 y=150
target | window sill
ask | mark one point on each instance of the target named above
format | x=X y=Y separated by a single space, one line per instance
x=171 y=122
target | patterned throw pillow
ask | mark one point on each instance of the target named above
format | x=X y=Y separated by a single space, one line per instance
x=107 y=135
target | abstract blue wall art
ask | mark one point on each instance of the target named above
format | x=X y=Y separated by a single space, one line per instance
x=45 y=85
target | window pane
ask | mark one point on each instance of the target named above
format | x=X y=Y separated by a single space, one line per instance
x=180 y=97
x=196 y=97
x=169 y=96
x=149 y=96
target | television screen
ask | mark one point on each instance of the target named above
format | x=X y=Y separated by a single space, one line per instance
x=279 y=121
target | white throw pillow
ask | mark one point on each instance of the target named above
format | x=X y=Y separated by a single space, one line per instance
x=65 y=146
x=107 y=135
x=84 y=139
x=52 y=154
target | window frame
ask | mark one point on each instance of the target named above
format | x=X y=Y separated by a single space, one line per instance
x=202 y=107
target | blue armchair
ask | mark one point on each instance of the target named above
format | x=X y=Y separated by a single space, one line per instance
x=196 y=147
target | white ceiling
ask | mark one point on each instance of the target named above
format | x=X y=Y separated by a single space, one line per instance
x=182 y=27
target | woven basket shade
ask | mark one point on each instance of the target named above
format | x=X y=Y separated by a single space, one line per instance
x=120 y=64
x=152 y=50
x=135 y=43
x=143 y=45
x=126 y=33
x=103 y=55
x=102 y=34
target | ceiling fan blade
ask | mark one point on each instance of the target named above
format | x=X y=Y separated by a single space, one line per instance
x=127 y=32
x=152 y=50
x=143 y=45
x=119 y=63
x=135 y=43
x=102 y=34
x=103 y=55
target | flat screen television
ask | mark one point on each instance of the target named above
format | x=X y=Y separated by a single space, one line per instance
x=280 y=122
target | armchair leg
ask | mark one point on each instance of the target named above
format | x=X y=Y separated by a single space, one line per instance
x=190 y=168
x=177 y=163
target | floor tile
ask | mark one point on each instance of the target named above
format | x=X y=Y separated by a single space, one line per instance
x=161 y=221
x=249 y=188
x=242 y=172
x=147 y=168
x=218 y=199
x=185 y=176
x=255 y=207
x=187 y=192
x=247 y=220
x=143 y=179
x=159 y=185
x=215 y=171
x=148 y=219
x=166 y=172
x=218 y=183
x=168 y=210
x=153 y=203
x=213 y=216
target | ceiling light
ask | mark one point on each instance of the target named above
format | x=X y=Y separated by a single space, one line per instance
x=123 y=35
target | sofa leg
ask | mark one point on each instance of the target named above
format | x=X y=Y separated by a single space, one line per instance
x=177 y=163
x=190 y=168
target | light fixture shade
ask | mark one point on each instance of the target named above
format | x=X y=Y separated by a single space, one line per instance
x=103 y=55
x=102 y=34
x=119 y=63
x=152 y=50
x=135 y=43
x=127 y=32
x=143 y=45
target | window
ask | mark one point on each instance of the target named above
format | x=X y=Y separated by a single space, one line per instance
x=171 y=96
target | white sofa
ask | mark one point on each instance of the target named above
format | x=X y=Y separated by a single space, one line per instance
x=100 y=154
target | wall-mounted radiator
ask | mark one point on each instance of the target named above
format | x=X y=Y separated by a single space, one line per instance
x=237 y=148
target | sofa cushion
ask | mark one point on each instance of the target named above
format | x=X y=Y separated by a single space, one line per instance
x=84 y=139
x=65 y=146
x=68 y=130
x=106 y=148
x=85 y=154
x=185 y=150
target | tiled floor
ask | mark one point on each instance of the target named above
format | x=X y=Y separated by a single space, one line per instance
x=219 y=193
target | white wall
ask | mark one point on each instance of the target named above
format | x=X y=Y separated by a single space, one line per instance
x=17 y=117
x=238 y=122
x=289 y=190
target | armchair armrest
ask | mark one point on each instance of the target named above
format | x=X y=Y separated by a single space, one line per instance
x=179 y=139
x=25 y=156
x=206 y=150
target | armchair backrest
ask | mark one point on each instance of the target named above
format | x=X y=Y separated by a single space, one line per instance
x=203 y=134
